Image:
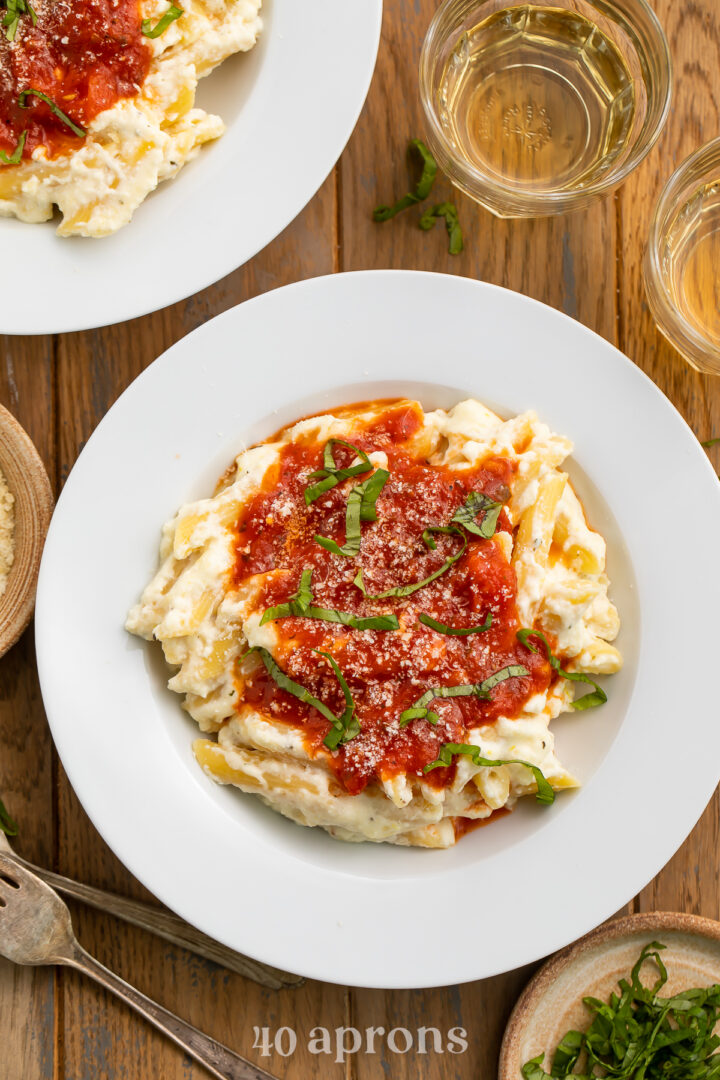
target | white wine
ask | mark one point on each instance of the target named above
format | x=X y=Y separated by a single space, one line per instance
x=691 y=262
x=538 y=97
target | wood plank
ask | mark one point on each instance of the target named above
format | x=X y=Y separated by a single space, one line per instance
x=689 y=881
x=27 y=999
x=101 y=1038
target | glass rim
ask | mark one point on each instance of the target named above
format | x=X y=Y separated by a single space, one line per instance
x=471 y=175
x=681 y=333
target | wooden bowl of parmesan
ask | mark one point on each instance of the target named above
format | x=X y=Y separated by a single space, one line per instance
x=26 y=505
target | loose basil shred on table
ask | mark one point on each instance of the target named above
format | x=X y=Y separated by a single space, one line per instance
x=422 y=188
x=588 y=701
x=7 y=825
x=448 y=212
x=639 y=1035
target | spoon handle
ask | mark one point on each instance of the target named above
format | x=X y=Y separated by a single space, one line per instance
x=167 y=926
x=216 y=1058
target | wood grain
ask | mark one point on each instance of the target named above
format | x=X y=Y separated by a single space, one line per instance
x=27 y=998
x=587 y=265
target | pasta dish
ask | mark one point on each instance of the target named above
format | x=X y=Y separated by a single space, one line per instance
x=97 y=101
x=379 y=612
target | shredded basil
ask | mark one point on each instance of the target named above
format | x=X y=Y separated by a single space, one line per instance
x=174 y=12
x=300 y=605
x=482 y=690
x=345 y=727
x=11 y=20
x=284 y=681
x=588 y=701
x=475 y=503
x=330 y=475
x=81 y=132
x=443 y=628
x=638 y=1035
x=448 y=211
x=545 y=793
x=7 y=825
x=14 y=158
x=422 y=188
x=360 y=507
x=303 y=597
x=407 y=590
x=710 y=442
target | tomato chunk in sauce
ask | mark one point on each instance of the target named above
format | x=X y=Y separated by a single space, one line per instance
x=387 y=671
x=85 y=55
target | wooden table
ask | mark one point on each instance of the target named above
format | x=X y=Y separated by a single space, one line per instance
x=54 y=1024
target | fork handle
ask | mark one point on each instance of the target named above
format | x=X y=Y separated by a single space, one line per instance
x=216 y=1058
x=167 y=926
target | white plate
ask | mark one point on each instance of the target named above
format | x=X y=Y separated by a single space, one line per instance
x=289 y=107
x=378 y=915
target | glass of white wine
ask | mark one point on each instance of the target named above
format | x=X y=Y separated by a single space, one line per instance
x=536 y=109
x=682 y=260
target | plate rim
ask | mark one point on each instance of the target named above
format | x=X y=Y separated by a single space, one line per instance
x=74 y=314
x=444 y=974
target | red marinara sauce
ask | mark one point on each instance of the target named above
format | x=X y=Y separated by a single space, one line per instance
x=83 y=54
x=387 y=671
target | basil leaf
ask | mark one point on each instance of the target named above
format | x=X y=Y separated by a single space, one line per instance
x=24 y=94
x=7 y=825
x=303 y=597
x=14 y=158
x=710 y=442
x=330 y=476
x=360 y=507
x=475 y=503
x=448 y=211
x=407 y=590
x=545 y=793
x=286 y=683
x=370 y=491
x=638 y=1035
x=300 y=606
x=345 y=727
x=453 y=631
x=588 y=701
x=479 y=690
x=174 y=12
x=422 y=188
x=11 y=20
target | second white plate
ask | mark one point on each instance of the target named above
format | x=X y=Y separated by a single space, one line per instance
x=377 y=915
x=289 y=107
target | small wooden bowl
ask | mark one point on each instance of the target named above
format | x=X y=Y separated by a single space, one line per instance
x=28 y=482
x=552 y=1004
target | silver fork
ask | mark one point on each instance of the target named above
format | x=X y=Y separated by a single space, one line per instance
x=35 y=928
x=162 y=923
